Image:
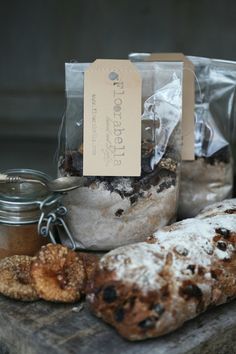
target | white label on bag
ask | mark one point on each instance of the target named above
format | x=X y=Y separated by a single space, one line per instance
x=112 y=119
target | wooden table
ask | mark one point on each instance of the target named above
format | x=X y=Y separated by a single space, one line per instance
x=41 y=328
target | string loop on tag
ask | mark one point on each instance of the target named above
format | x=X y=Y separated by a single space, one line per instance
x=198 y=83
x=59 y=136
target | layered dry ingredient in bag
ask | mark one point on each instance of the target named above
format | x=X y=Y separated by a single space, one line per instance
x=112 y=211
x=209 y=178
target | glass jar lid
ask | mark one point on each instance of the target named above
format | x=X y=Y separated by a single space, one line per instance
x=21 y=203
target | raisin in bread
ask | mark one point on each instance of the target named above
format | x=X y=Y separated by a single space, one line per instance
x=151 y=288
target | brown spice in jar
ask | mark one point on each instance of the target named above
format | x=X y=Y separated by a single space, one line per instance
x=20 y=240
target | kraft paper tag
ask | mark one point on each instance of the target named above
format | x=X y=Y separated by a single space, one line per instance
x=112 y=119
x=188 y=100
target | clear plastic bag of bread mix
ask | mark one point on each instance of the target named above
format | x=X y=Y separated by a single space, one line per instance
x=223 y=101
x=209 y=178
x=108 y=212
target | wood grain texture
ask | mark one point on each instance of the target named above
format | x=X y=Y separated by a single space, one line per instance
x=41 y=327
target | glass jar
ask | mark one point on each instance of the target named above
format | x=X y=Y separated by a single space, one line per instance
x=29 y=214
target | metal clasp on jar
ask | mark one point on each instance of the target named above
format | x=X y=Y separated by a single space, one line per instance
x=48 y=221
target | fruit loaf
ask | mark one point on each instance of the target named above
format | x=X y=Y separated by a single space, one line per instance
x=151 y=288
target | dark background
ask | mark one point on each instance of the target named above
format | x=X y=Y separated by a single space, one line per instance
x=37 y=37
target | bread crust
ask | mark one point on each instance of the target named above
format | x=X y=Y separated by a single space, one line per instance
x=151 y=288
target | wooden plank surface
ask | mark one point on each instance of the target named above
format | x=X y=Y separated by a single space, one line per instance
x=41 y=327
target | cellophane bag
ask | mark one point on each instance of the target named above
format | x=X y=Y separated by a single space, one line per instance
x=107 y=212
x=209 y=178
x=223 y=100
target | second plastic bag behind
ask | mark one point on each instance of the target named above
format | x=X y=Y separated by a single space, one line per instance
x=209 y=178
x=108 y=212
